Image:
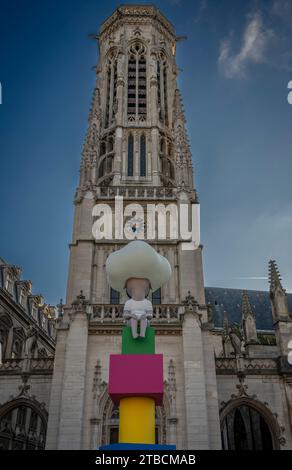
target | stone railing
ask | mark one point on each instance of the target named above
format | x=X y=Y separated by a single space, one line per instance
x=11 y=365
x=137 y=120
x=138 y=192
x=226 y=364
x=40 y=365
x=246 y=365
x=163 y=313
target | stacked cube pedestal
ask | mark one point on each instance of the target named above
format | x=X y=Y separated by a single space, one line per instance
x=136 y=385
x=138 y=345
x=137 y=420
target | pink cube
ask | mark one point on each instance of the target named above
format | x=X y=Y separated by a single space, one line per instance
x=136 y=375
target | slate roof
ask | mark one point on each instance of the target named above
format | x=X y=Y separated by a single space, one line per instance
x=230 y=300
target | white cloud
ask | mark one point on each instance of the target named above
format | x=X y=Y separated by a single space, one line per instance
x=253 y=48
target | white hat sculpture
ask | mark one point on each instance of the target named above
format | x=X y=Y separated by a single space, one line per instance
x=137 y=260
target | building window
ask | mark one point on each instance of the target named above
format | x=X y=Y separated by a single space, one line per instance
x=142 y=155
x=106 y=155
x=33 y=422
x=130 y=155
x=21 y=417
x=132 y=86
x=244 y=428
x=137 y=89
x=114 y=426
x=142 y=87
x=102 y=150
x=22 y=428
x=9 y=284
x=171 y=170
x=5 y=326
x=21 y=297
x=156 y=297
x=101 y=169
x=114 y=296
x=165 y=94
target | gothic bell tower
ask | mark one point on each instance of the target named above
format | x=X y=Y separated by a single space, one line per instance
x=136 y=148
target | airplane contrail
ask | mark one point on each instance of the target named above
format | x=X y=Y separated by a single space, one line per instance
x=252 y=277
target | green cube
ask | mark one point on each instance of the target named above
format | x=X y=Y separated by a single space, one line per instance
x=138 y=345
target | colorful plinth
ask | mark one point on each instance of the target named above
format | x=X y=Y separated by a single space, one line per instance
x=136 y=375
x=137 y=420
x=136 y=385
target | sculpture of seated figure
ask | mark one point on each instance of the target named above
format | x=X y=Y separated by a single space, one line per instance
x=138 y=310
x=137 y=268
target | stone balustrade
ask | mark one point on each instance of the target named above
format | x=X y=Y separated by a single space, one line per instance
x=40 y=365
x=11 y=365
x=163 y=313
x=138 y=192
x=246 y=365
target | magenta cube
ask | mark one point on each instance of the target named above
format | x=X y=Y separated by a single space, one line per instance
x=136 y=375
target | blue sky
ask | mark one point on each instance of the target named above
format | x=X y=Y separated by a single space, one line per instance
x=236 y=64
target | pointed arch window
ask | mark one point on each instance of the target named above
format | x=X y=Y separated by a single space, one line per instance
x=171 y=170
x=101 y=169
x=137 y=88
x=245 y=428
x=142 y=155
x=102 y=148
x=23 y=426
x=130 y=155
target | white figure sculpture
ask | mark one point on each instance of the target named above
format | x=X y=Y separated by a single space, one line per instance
x=138 y=268
x=138 y=309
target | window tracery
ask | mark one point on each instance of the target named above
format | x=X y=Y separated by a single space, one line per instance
x=22 y=426
x=248 y=425
x=137 y=85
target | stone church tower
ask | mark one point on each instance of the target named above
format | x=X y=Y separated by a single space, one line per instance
x=228 y=381
x=136 y=147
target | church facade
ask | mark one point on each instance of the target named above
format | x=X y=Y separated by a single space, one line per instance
x=227 y=378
